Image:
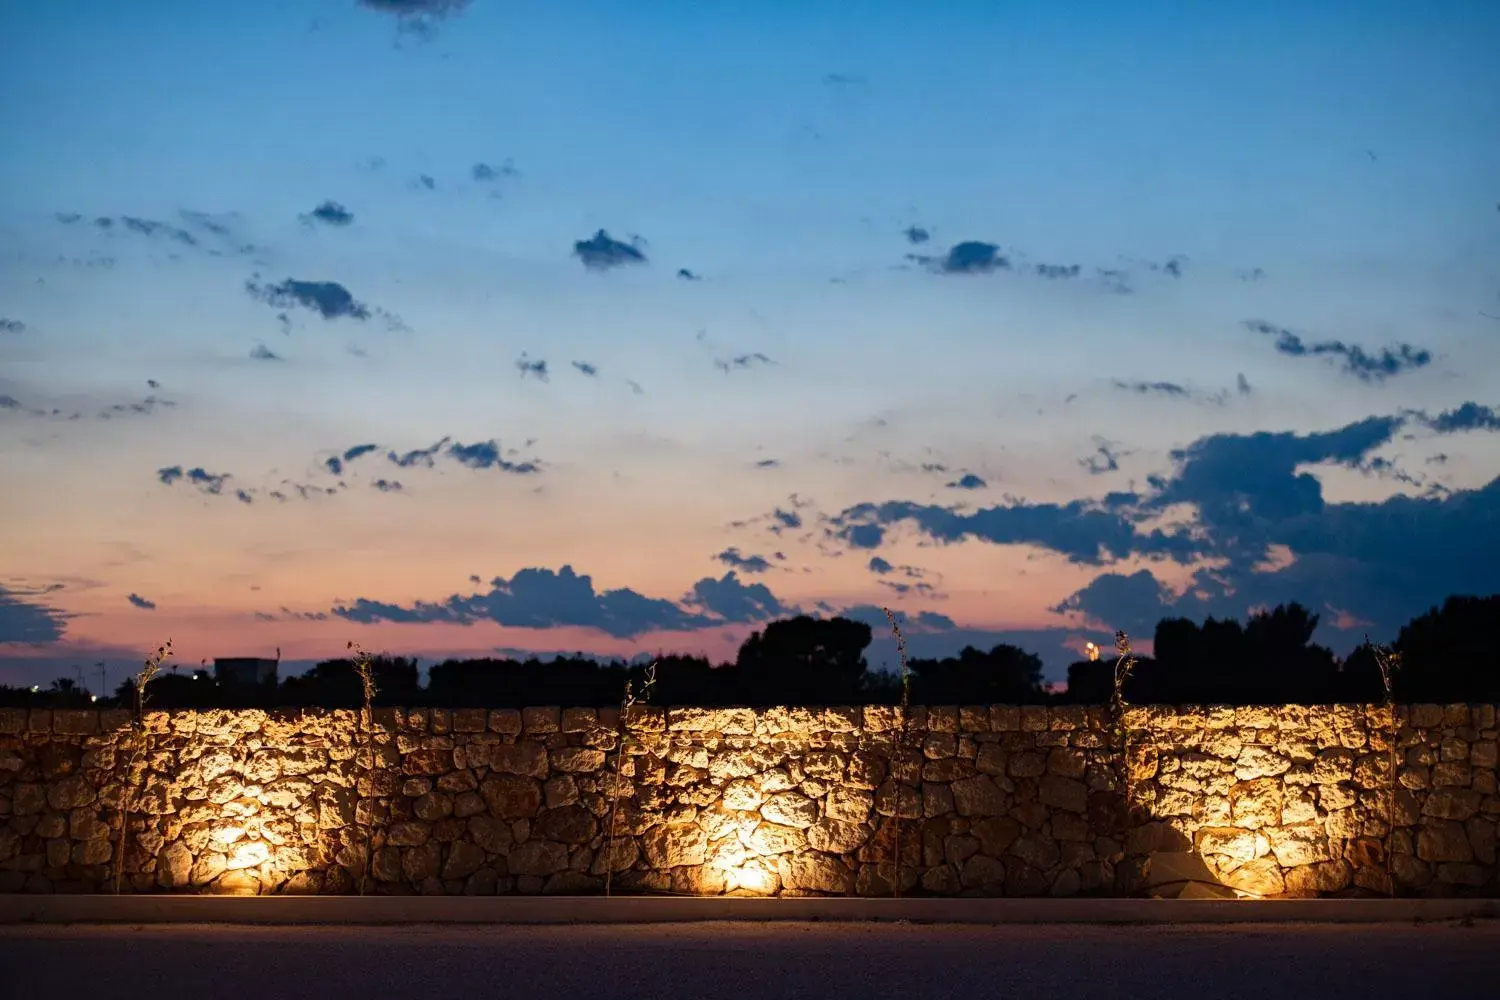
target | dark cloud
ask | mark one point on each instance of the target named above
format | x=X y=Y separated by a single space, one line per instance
x=144 y=408
x=487 y=455
x=635 y=387
x=1253 y=274
x=687 y=275
x=542 y=598
x=734 y=602
x=741 y=362
x=260 y=352
x=879 y=565
x=1058 y=271
x=1466 y=417
x=67 y=218
x=583 y=366
x=1356 y=361
x=26 y=621
x=483 y=173
x=968 y=481
x=12 y=326
x=1104 y=459
x=417 y=17
x=205 y=482
x=750 y=564
x=387 y=485
x=336 y=463
x=141 y=602
x=1158 y=388
x=916 y=235
x=601 y=252
x=329 y=213
x=785 y=519
x=148 y=227
x=329 y=299
x=1242 y=385
x=426 y=181
x=768 y=463
x=537 y=369
x=968 y=257
x=481 y=455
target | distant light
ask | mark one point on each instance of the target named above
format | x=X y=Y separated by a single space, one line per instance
x=1091 y=651
x=35 y=688
x=195 y=677
x=93 y=697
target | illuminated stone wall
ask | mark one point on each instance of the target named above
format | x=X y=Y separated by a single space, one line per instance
x=988 y=800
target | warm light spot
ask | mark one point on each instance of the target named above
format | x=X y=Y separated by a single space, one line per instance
x=248 y=854
x=753 y=876
x=227 y=835
x=1091 y=651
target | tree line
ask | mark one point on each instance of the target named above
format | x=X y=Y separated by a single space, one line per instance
x=1446 y=655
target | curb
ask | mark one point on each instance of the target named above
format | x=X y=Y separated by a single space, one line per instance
x=284 y=910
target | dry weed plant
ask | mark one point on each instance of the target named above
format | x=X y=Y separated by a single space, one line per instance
x=364 y=667
x=1124 y=664
x=137 y=746
x=629 y=701
x=1389 y=662
x=902 y=740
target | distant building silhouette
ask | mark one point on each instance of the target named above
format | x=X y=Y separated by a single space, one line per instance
x=245 y=671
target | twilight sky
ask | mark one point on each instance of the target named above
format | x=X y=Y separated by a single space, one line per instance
x=454 y=327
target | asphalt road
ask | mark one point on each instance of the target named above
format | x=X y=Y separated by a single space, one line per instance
x=765 y=961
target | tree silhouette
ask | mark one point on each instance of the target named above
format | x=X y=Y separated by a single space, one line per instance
x=1451 y=653
x=804 y=661
x=1004 y=675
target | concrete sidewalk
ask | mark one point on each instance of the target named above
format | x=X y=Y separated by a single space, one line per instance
x=156 y=909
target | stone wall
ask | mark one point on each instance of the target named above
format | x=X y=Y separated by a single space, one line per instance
x=983 y=800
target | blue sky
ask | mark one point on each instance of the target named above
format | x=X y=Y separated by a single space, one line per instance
x=1019 y=242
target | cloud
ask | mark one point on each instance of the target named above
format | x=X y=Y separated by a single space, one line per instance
x=542 y=598
x=487 y=455
x=768 y=463
x=329 y=299
x=601 y=252
x=149 y=227
x=11 y=326
x=1466 y=417
x=260 y=352
x=1242 y=384
x=329 y=213
x=968 y=257
x=480 y=455
x=1159 y=388
x=387 y=485
x=750 y=564
x=916 y=235
x=687 y=275
x=1058 y=271
x=583 y=366
x=336 y=463
x=417 y=17
x=785 y=519
x=427 y=182
x=209 y=483
x=483 y=173
x=26 y=621
x=536 y=369
x=732 y=601
x=741 y=362
x=1357 y=361
x=879 y=565
x=968 y=481
x=141 y=602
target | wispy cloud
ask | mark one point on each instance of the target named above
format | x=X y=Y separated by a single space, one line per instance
x=750 y=564
x=536 y=368
x=1356 y=361
x=741 y=362
x=583 y=366
x=11 y=326
x=330 y=213
x=601 y=252
x=260 y=352
x=140 y=602
x=484 y=173
x=25 y=621
x=328 y=299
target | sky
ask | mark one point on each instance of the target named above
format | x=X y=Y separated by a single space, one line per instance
x=467 y=328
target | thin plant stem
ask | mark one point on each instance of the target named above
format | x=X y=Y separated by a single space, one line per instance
x=1124 y=664
x=622 y=732
x=890 y=616
x=363 y=666
x=137 y=746
x=1389 y=662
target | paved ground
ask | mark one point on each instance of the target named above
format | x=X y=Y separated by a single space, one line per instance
x=765 y=961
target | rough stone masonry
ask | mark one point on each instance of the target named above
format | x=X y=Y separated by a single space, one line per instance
x=974 y=800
